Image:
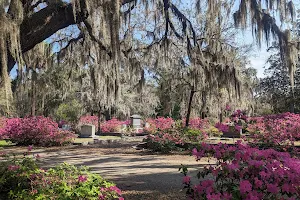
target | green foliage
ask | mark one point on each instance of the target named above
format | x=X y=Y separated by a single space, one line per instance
x=275 y=88
x=164 y=142
x=176 y=112
x=192 y=135
x=189 y=132
x=4 y=143
x=69 y=112
x=21 y=178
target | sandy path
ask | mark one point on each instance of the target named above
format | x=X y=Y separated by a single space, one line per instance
x=139 y=174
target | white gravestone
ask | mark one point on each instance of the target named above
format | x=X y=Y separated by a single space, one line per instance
x=87 y=131
x=135 y=121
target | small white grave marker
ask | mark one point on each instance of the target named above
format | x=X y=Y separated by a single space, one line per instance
x=87 y=130
x=136 y=121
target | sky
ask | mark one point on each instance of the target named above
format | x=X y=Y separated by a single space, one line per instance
x=258 y=57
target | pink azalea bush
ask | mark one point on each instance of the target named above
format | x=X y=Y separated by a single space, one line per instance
x=167 y=123
x=164 y=142
x=280 y=131
x=244 y=172
x=167 y=135
x=35 y=130
x=113 y=125
x=89 y=120
x=159 y=124
x=109 y=126
x=175 y=139
x=236 y=120
x=197 y=123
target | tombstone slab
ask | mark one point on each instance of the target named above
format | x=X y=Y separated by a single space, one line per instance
x=136 y=121
x=87 y=131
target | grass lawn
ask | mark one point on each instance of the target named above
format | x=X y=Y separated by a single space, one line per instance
x=4 y=143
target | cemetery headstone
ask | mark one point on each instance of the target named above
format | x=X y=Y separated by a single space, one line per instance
x=87 y=130
x=232 y=133
x=66 y=127
x=136 y=121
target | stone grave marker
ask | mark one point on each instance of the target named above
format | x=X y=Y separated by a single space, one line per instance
x=87 y=131
x=136 y=121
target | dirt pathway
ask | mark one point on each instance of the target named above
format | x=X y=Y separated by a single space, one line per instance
x=139 y=174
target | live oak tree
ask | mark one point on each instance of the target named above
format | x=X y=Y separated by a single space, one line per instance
x=105 y=35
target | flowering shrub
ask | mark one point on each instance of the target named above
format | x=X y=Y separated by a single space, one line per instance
x=278 y=131
x=23 y=179
x=243 y=172
x=237 y=120
x=213 y=131
x=197 y=123
x=165 y=124
x=89 y=120
x=193 y=135
x=113 y=125
x=164 y=142
x=36 y=130
x=175 y=139
x=167 y=135
x=159 y=124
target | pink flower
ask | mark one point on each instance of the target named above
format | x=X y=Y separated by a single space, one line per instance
x=245 y=186
x=272 y=188
x=121 y=198
x=29 y=147
x=227 y=196
x=222 y=127
x=82 y=178
x=263 y=174
x=258 y=183
x=213 y=196
x=197 y=153
x=116 y=189
x=186 y=180
x=227 y=108
x=237 y=127
x=34 y=191
x=285 y=188
x=252 y=196
x=13 y=167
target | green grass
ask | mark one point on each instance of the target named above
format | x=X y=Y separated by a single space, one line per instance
x=4 y=143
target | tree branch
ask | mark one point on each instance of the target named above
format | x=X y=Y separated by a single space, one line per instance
x=128 y=1
x=44 y=23
x=93 y=37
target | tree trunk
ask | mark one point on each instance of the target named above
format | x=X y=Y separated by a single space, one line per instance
x=43 y=103
x=292 y=100
x=99 y=121
x=189 y=107
x=107 y=115
x=33 y=93
x=221 y=117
